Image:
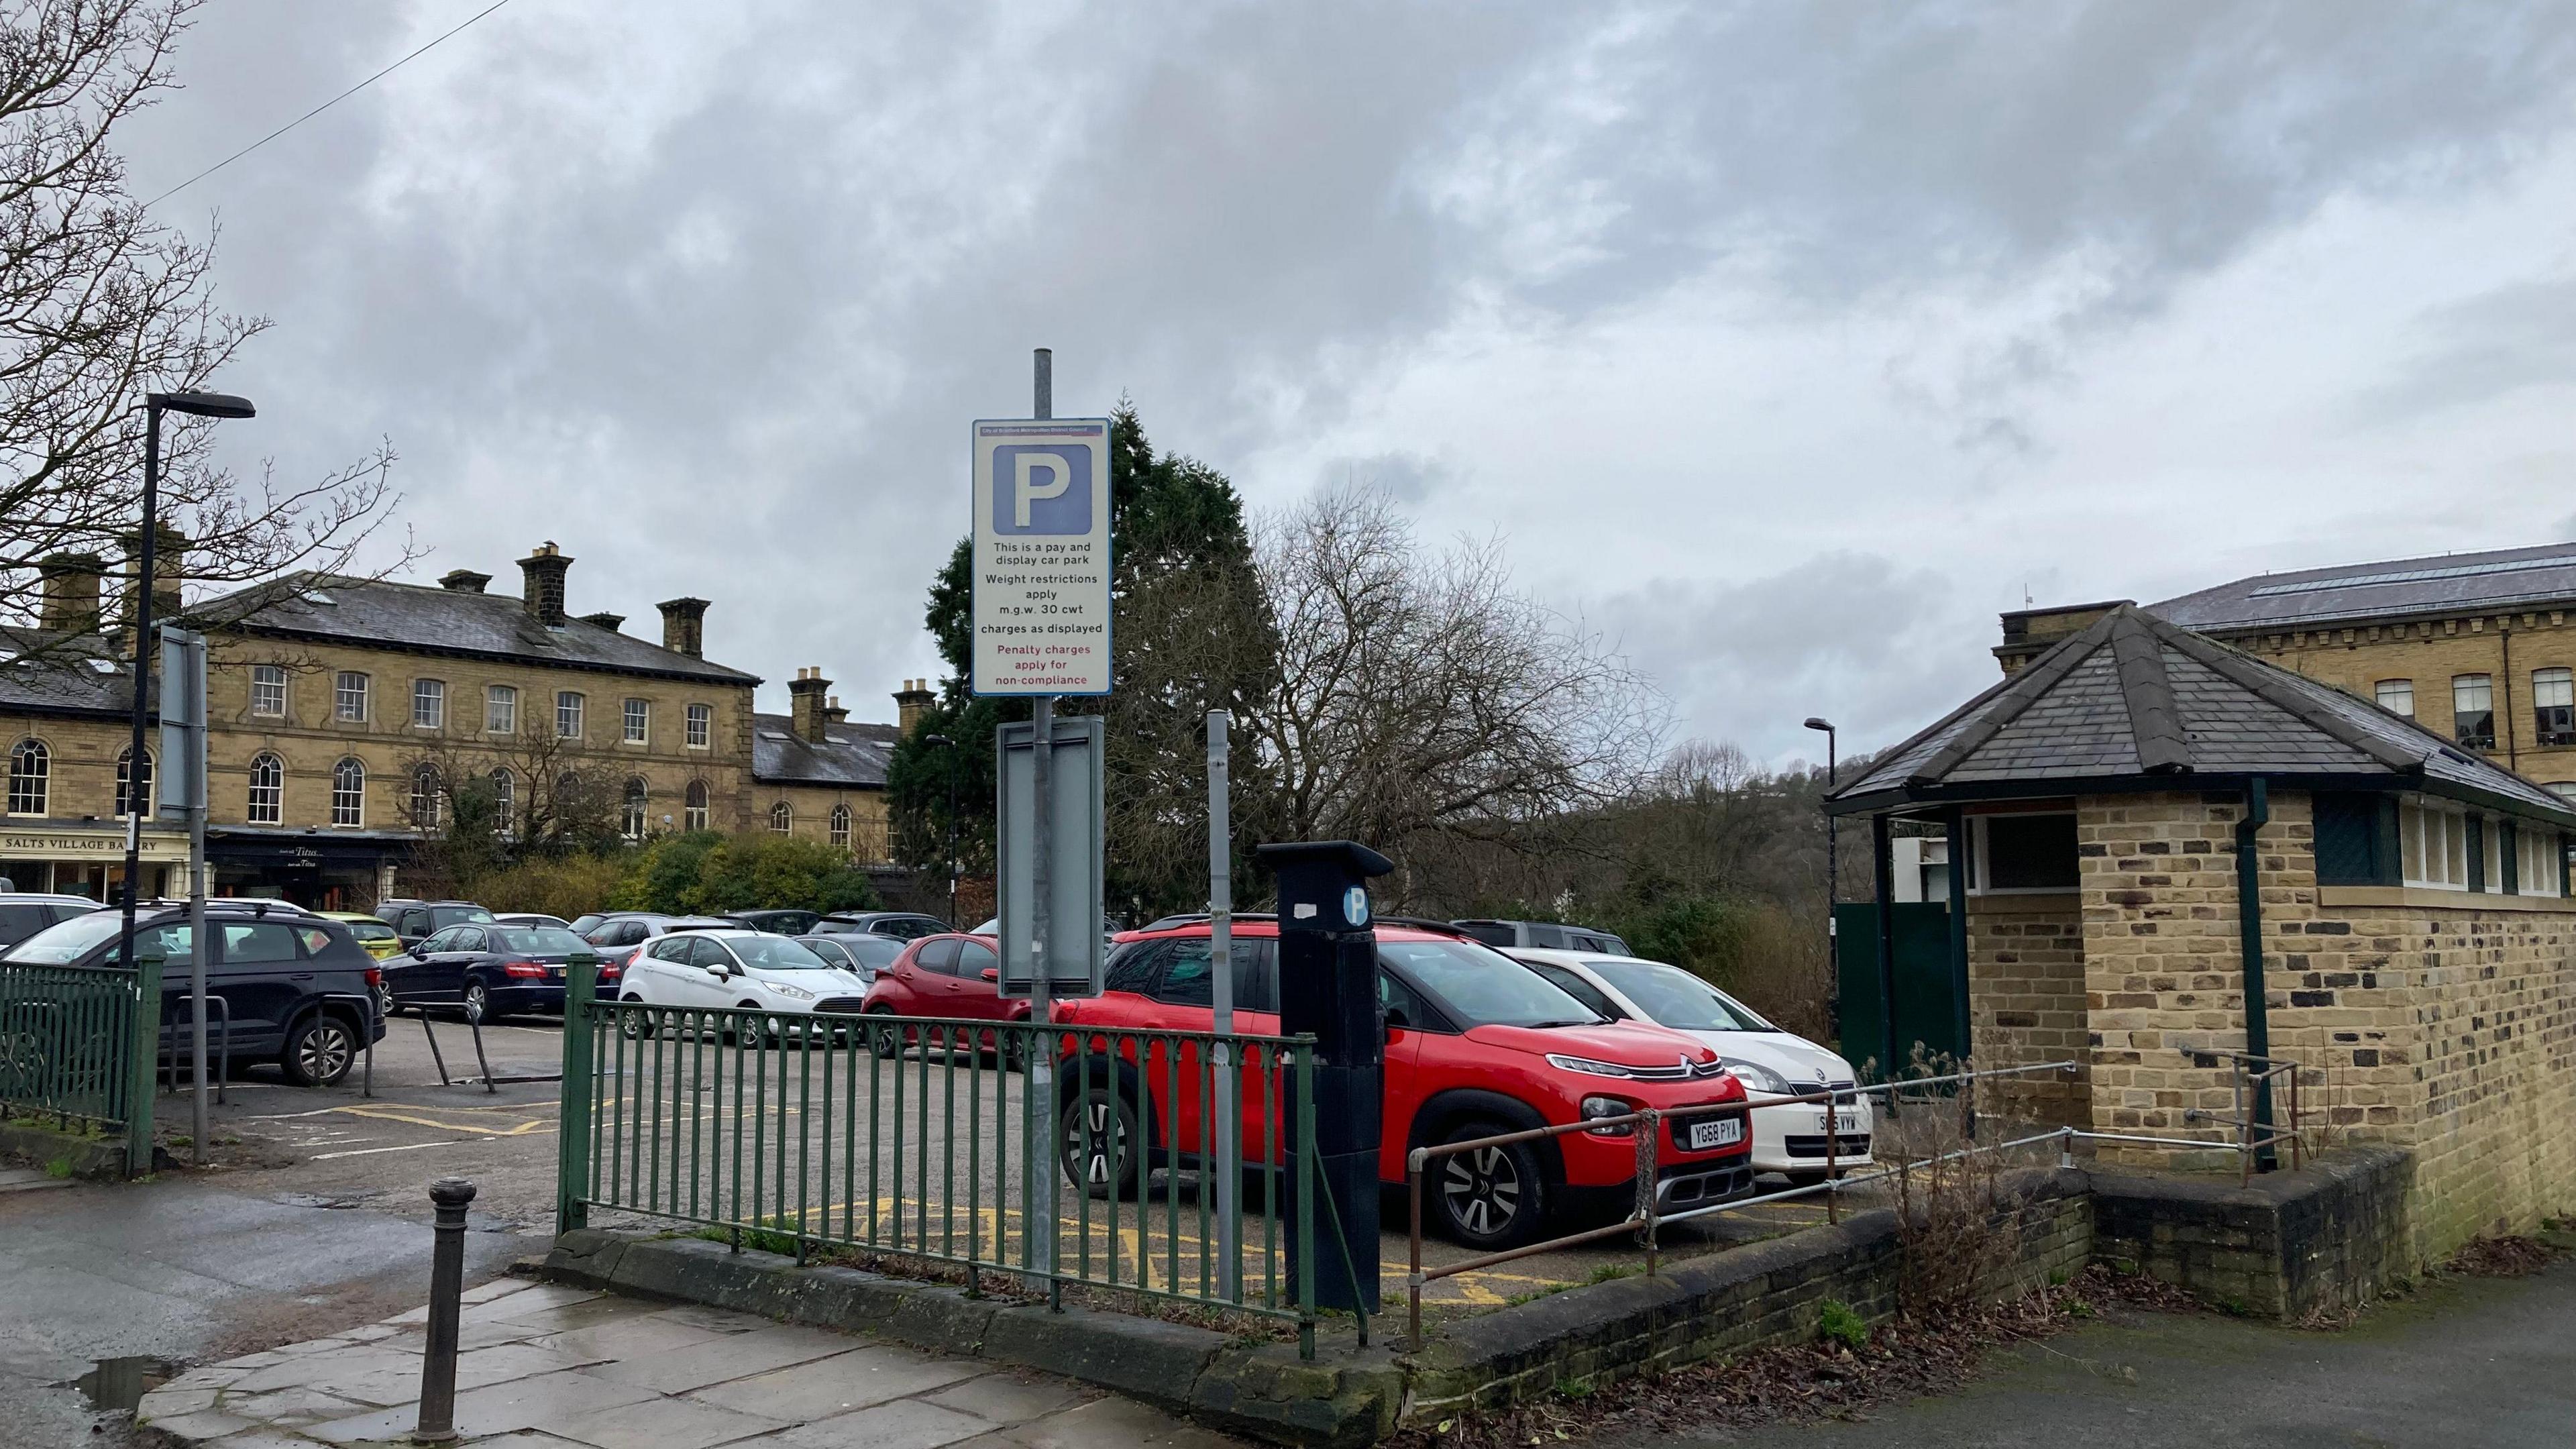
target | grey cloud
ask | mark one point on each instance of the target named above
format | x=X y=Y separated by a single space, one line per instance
x=1409 y=478
x=2481 y=348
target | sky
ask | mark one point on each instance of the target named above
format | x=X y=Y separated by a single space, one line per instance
x=1782 y=346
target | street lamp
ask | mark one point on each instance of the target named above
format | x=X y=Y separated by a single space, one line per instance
x=195 y=404
x=950 y=745
x=1833 y=856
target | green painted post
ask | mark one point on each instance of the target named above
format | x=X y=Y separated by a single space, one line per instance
x=572 y=1139
x=144 y=1068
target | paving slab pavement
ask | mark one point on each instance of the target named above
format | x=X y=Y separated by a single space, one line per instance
x=567 y=1368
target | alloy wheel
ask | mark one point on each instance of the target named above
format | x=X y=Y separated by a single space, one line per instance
x=1482 y=1190
x=325 y=1051
x=478 y=1001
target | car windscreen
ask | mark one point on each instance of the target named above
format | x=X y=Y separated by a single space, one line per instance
x=1482 y=987
x=68 y=941
x=537 y=940
x=776 y=953
x=1670 y=996
x=875 y=952
x=441 y=917
x=371 y=930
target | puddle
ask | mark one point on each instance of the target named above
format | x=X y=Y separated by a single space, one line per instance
x=118 y=1384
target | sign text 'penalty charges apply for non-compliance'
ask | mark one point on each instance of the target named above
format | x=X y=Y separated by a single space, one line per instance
x=1042 y=556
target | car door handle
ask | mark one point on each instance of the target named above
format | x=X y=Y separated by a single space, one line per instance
x=300 y=976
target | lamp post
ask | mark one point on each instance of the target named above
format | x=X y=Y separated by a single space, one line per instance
x=1833 y=855
x=944 y=742
x=195 y=404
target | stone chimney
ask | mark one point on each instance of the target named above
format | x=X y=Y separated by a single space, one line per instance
x=71 y=582
x=169 y=566
x=605 y=620
x=541 y=591
x=807 y=689
x=833 y=713
x=684 y=626
x=2029 y=632
x=463 y=581
x=911 y=702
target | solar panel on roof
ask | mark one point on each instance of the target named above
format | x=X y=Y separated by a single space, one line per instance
x=2410 y=576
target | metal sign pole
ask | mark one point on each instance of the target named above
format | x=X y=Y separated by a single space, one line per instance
x=1040 y=1066
x=1229 y=1138
x=182 y=786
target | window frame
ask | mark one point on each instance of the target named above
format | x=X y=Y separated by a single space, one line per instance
x=426 y=787
x=267 y=763
x=268 y=681
x=571 y=707
x=2416 y=815
x=635 y=721
x=347 y=800
x=839 y=826
x=2380 y=691
x=31 y=777
x=2553 y=723
x=2460 y=685
x=501 y=701
x=634 y=808
x=364 y=691
x=782 y=818
x=701 y=726
x=429 y=698
x=125 y=786
x=695 y=806
x=1980 y=855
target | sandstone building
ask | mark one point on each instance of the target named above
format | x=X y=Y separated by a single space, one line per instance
x=343 y=713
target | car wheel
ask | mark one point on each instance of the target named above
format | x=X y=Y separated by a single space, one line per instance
x=884 y=1037
x=478 y=1002
x=386 y=1006
x=638 y=1024
x=319 y=1052
x=1100 y=1141
x=1489 y=1197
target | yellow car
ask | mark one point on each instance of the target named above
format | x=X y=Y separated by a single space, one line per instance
x=375 y=935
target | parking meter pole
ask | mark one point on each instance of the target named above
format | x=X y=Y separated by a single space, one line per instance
x=1229 y=1137
x=1040 y=1068
x=437 y=1423
x=1328 y=990
x=197 y=979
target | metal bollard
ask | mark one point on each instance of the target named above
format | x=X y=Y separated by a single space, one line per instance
x=446 y=1288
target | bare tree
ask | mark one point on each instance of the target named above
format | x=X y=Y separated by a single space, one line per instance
x=100 y=304
x=1420 y=697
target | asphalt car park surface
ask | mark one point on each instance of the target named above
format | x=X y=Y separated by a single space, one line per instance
x=339 y=1146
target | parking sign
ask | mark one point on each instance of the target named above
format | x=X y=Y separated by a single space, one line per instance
x=1041 y=562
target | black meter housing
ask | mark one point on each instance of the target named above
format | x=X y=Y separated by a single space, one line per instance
x=1328 y=986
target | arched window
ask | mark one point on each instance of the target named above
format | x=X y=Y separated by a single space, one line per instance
x=267 y=804
x=31 y=768
x=631 y=819
x=782 y=817
x=841 y=826
x=425 y=792
x=126 y=789
x=694 y=813
x=505 y=801
x=349 y=792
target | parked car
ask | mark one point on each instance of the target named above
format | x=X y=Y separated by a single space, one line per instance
x=620 y=934
x=901 y=925
x=416 y=921
x=950 y=975
x=736 y=967
x=1110 y=930
x=371 y=933
x=1772 y=1063
x=864 y=956
x=1545 y=935
x=24 y=913
x=489 y=971
x=533 y=918
x=1476 y=1046
x=776 y=922
x=297 y=987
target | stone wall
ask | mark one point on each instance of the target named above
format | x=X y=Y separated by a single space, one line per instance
x=2287 y=1245
x=2026 y=993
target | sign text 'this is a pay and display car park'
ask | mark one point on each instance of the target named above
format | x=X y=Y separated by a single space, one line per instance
x=1042 y=556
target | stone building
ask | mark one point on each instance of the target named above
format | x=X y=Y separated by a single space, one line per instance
x=816 y=775
x=2477 y=646
x=343 y=714
x=2172 y=848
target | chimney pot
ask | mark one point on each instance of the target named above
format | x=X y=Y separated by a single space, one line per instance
x=463 y=581
x=71 y=589
x=911 y=702
x=684 y=626
x=833 y=713
x=808 y=689
x=542 y=588
x=604 y=620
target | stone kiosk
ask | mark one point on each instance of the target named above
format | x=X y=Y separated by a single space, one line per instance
x=2171 y=849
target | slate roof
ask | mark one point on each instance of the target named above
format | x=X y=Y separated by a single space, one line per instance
x=52 y=673
x=2136 y=701
x=445 y=621
x=855 y=756
x=2398 y=588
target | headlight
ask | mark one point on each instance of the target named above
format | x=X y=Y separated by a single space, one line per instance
x=1595 y=1108
x=792 y=993
x=1761 y=1078
x=1587 y=1066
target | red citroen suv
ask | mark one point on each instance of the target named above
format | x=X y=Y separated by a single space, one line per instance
x=1477 y=1046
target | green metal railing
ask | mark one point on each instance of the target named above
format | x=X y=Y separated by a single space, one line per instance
x=923 y=1138
x=78 y=1044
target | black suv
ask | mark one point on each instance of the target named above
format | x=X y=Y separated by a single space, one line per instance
x=299 y=989
x=417 y=921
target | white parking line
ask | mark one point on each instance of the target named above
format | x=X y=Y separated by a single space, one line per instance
x=406 y=1147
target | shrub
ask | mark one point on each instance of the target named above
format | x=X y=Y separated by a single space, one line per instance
x=1840 y=1324
x=706 y=873
x=567 y=886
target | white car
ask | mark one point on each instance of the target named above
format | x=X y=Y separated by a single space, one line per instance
x=735 y=967
x=1788 y=1138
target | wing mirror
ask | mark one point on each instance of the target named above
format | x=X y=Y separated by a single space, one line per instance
x=417 y=950
x=1395 y=1019
x=992 y=973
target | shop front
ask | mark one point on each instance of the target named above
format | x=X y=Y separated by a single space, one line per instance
x=326 y=870
x=87 y=858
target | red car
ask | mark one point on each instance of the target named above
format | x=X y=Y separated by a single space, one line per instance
x=1477 y=1046
x=946 y=976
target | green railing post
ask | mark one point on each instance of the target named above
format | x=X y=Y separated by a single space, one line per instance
x=143 y=1069
x=572 y=1139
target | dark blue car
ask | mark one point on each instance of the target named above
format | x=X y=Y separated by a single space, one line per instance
x=486 y=970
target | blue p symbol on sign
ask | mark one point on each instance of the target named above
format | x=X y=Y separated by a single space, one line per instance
x=1043 y=488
